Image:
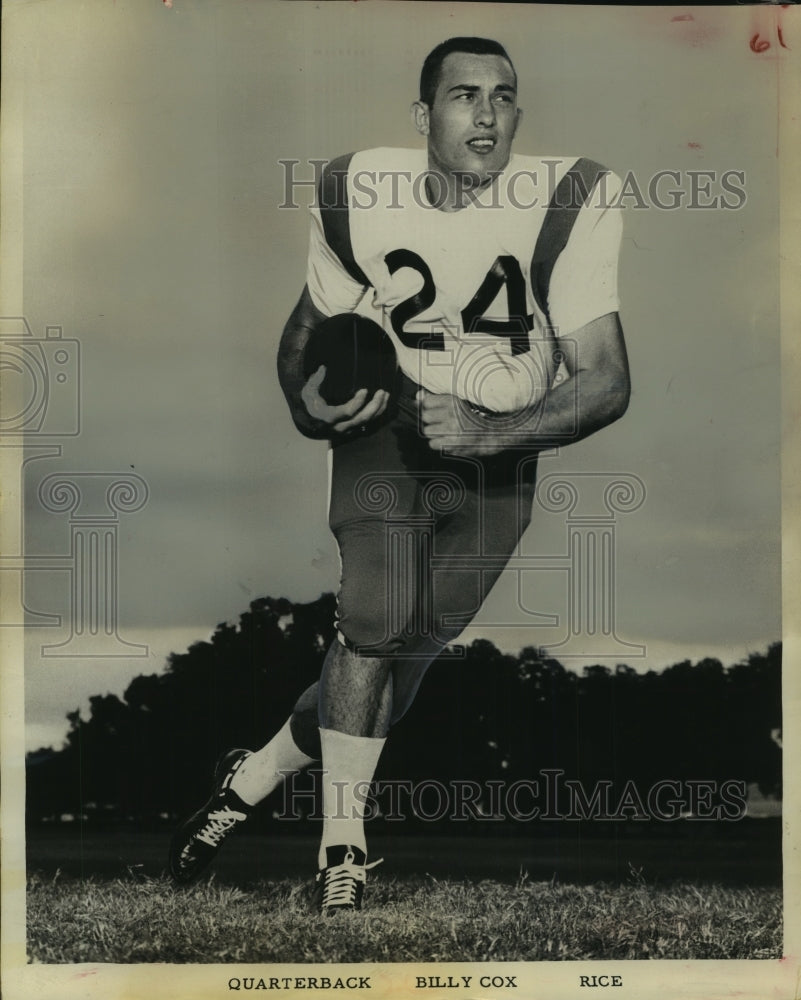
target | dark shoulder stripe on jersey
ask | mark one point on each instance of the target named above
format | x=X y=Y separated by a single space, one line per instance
x=572 y=192
x=333 y=198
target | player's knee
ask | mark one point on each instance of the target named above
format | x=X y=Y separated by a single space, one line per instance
x=362 y=616
x=361 y=636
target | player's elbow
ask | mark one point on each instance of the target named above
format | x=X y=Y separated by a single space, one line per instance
x=618 y=394
x=604 y=398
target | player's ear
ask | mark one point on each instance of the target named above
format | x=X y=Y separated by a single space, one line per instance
x=518 y=116
x=420 y=117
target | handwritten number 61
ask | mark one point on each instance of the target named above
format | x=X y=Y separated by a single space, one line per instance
x=758 y=44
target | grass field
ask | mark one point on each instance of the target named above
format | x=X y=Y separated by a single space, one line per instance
x=404 y=920
x=106 y=899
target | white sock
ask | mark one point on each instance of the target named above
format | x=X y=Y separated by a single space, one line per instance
x=261 y=773
x=349 y=763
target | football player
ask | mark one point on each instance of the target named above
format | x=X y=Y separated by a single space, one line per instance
x=495 y=275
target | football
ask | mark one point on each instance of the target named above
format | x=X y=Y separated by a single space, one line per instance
x=357 y=354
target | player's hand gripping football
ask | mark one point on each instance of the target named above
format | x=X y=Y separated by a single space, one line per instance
x=452 y=425
x=357 y=411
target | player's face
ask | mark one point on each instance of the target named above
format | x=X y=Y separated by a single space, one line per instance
x=472 y=121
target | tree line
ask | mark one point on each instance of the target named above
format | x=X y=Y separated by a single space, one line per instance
x=481 y=715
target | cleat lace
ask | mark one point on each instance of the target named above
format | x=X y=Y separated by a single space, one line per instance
x=340 y=882
x=219 y=824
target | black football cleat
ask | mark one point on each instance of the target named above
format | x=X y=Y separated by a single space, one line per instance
x=340 y=885
x=196 y=842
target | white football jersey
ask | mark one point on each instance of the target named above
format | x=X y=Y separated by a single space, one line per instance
x=474 y=301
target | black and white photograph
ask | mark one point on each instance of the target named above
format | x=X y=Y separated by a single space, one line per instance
x=399 y=483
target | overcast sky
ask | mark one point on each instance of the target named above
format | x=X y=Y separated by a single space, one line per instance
x=152 y=236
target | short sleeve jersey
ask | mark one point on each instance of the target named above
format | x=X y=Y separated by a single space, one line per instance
x=469 y=303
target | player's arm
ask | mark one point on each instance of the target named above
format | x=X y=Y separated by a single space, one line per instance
x=597 y=390
x=312 y=415
x=595 y=394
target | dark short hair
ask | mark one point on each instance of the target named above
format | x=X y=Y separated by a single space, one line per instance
x=432 y=67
